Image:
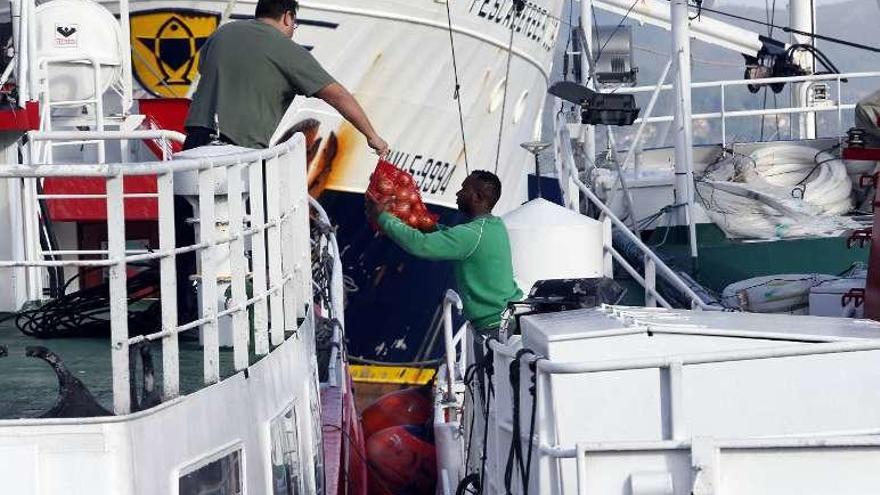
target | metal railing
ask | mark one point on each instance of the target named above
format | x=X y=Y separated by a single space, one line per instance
x=653 y=264
x=679 y=439
x=279 y=238
x=40 y=141
x=723 y=114
x=451 y=340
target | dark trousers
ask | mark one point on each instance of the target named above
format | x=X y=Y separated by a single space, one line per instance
x=200 y=136
x=478 y=342
x=184 y=232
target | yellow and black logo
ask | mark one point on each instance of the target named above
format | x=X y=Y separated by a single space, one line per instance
x=165 y=48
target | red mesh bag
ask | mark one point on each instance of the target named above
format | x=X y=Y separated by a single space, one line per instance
x=389 y=182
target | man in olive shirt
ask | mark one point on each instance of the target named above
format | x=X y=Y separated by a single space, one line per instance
x=250 y=72
x=479 y=250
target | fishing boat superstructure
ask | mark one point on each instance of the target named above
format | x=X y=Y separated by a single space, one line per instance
x=751 y=208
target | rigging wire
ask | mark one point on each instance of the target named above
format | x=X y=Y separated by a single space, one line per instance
x=694 y=60
x=457 y=93
x=518 y=6
x=789 y=30
x=386 y=490
x=568 y=43
x=772 y=17
x=769 y=34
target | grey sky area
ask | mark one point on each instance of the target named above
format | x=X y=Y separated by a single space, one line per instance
x=760 y=3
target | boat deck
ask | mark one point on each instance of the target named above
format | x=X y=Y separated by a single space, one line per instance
x=28 y=386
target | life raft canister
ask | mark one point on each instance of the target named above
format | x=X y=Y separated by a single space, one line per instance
x=402 y=461
x=411 y=406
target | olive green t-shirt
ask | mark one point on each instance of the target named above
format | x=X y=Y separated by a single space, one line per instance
x=250 y=72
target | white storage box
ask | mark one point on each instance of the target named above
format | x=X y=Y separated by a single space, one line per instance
x=826 y=299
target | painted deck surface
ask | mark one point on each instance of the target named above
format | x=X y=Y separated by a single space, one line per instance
x=723 y=261
x=29 y=386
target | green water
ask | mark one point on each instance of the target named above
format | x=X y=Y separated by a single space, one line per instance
x=28 y=386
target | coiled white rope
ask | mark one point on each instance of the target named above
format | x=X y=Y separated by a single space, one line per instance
x=778 y=191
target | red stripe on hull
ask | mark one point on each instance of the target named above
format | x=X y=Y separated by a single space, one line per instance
x=344 y=466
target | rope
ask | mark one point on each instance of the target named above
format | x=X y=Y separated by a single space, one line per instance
x=376 y=476
x=533 y=390
x=789 y=30
x=515 y=455
x=518 y=9
x=489 y=392
x=457 y=93
x=86 y=312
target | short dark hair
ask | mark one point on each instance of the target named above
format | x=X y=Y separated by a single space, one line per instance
x=489 y=185
x=274 y=9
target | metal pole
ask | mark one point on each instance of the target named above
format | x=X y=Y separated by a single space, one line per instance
x=801 y=17
x=118 y=295
x=588 y=132
x=450 y=299
x=684 y=140
x=538 y=175
x=30 y=34
x=168 y=283
x=126 y=57
x=581 y=460
x=18 y=275
x=19 y=28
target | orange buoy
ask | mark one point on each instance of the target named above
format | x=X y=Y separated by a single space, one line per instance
x=402 y=461
x=411 y=406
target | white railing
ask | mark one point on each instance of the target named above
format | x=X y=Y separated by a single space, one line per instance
x=723 y=114
x=449 y=399
x=678 y=436
x=279 y=241
x=653 y=264
x=455 y=343
x=39 y=143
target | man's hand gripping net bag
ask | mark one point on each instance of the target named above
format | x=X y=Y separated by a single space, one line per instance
x=390 y=184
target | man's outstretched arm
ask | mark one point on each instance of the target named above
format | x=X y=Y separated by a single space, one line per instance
x=344 y=102
x=456 y=243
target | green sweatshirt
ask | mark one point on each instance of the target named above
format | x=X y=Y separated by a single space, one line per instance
x=480 y=250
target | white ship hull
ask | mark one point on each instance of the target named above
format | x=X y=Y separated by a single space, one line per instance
x=395 y=58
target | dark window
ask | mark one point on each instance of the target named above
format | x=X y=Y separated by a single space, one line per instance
x=286 y=471
x=221 y=477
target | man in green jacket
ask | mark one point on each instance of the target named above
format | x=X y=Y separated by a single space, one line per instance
x=479 y=250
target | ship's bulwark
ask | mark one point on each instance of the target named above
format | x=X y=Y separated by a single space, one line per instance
x=389 y=314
